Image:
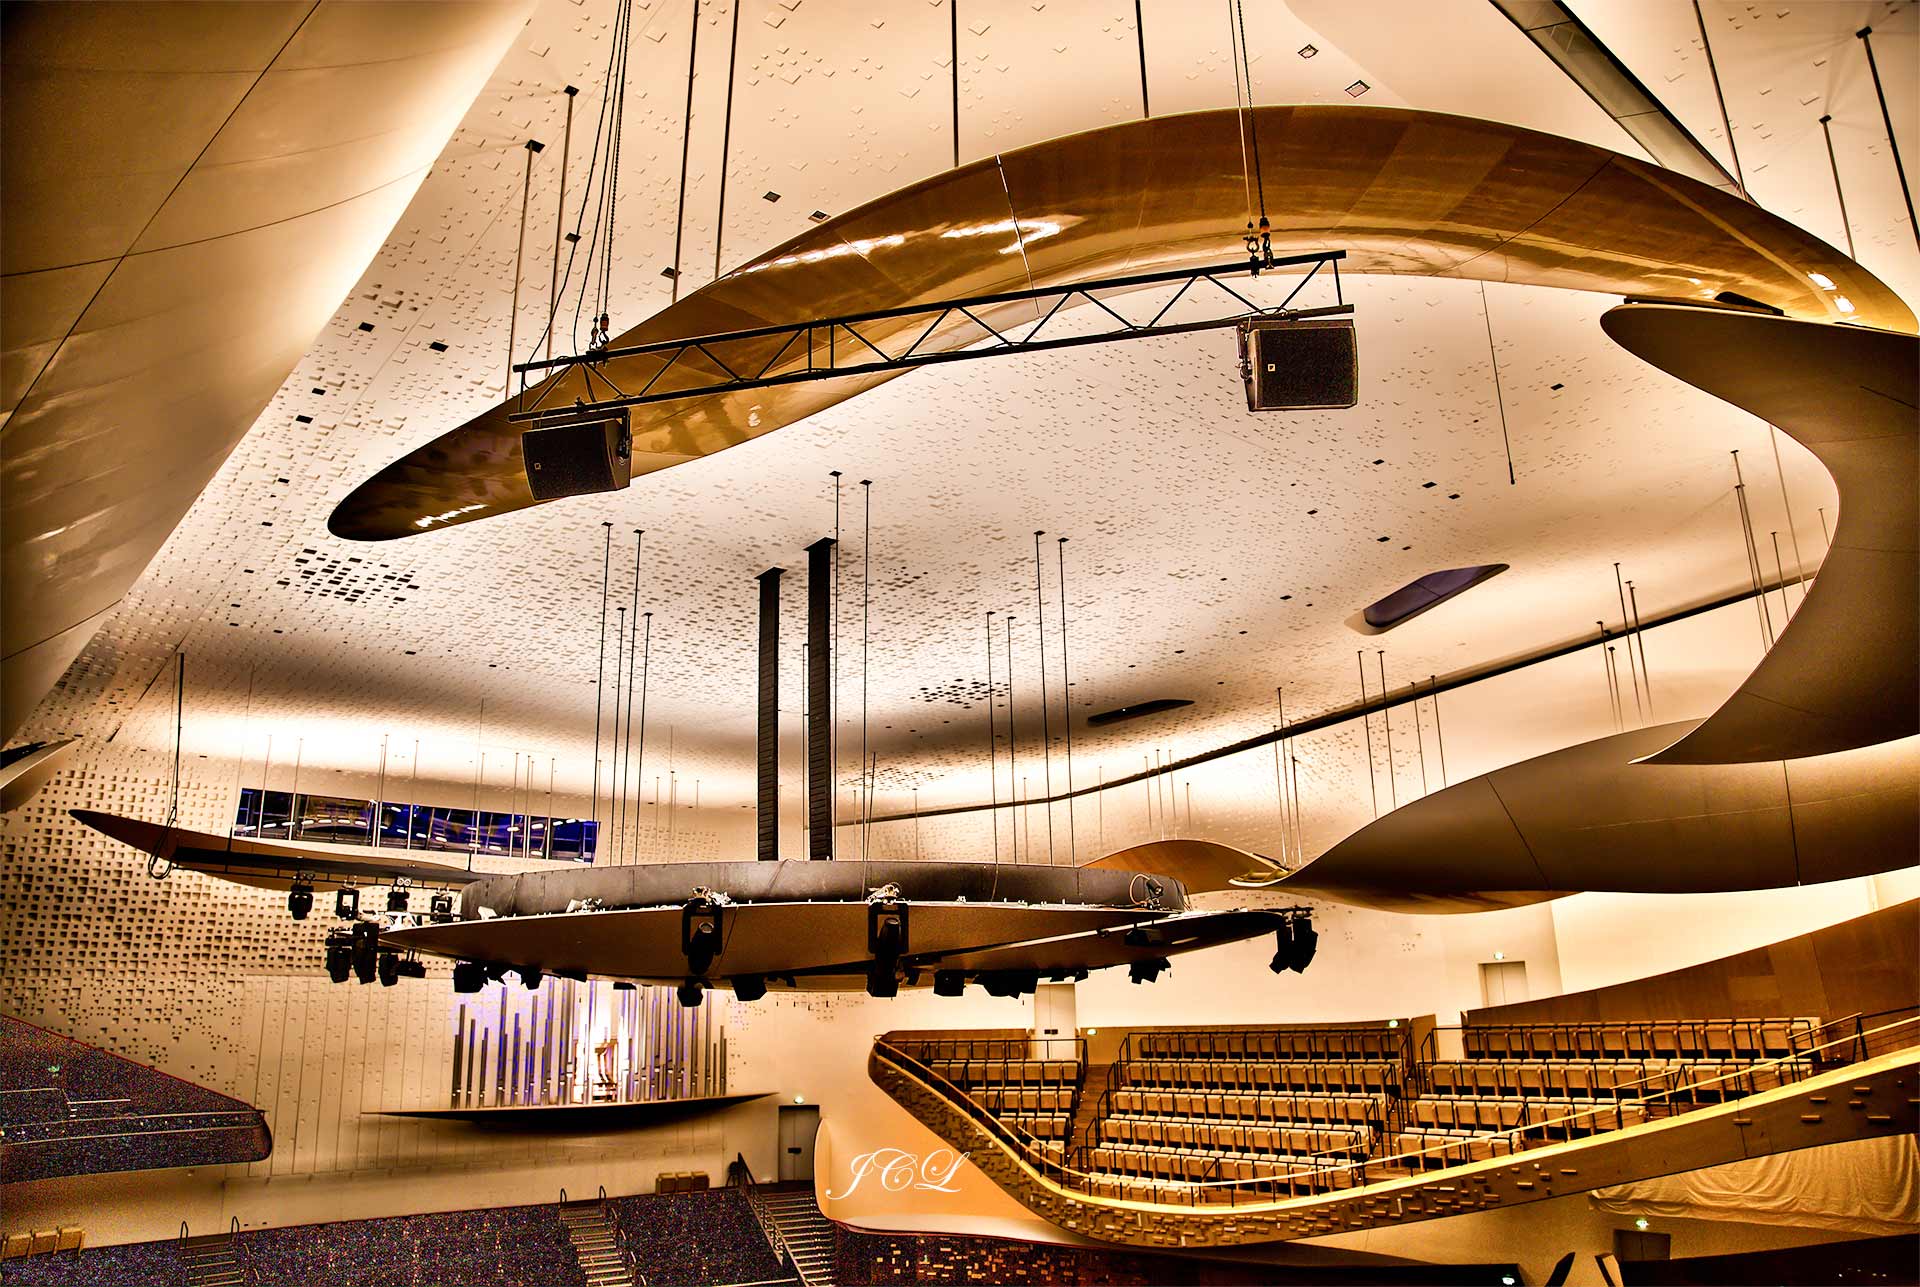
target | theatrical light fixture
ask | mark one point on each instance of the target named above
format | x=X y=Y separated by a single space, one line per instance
x=300 y=898
x=411 y=967
x=1149 y=970
x=530 y=976
x=1010 y=983
x=469 y=976
x=339 y=957
x=389 y=969
x=749 y=987
x=700 y=933
x=441 y=908
x=949 y=983
x=1295 y=942
x=689 y=993
x=397 y=899
x=346 y=904
x=886 y=940
x=366 y=948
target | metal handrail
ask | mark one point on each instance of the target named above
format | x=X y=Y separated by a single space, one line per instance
x=1082 y=1182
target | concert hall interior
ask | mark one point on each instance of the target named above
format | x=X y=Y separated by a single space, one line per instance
x=1087 y=641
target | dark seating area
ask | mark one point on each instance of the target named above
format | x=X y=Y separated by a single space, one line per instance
x=134 y=1264
x=72 y=1109
x=702 y=1238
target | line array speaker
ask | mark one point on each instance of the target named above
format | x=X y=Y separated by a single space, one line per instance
x=579 y=457
x=1299 y=364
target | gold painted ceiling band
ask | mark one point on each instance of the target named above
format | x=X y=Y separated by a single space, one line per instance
x=1402 y=192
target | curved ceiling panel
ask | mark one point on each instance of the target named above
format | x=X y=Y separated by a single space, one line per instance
x=1851 y=396
x=165 y=269
x=1587 y=818
x=1400 y=191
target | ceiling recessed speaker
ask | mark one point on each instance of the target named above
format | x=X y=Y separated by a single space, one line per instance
x=1299 y=365
x=579 y=457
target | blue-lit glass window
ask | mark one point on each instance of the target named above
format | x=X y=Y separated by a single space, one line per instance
x=335 y=819
x=267 y=815
x=575 y=839
x=325 y=819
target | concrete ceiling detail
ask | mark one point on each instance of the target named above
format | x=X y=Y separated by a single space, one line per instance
x=1844 y=673
x=191 y=191
x=1402 y=192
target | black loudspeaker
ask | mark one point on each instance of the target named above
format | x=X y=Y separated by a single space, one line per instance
x=1299 y=365
x=579 y=457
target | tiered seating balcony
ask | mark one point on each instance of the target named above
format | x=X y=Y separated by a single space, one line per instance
x=1031 y=1085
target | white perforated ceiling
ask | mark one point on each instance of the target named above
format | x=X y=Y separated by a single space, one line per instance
x=1213 y=554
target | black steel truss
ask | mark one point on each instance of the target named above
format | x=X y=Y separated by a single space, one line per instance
x=836 y=347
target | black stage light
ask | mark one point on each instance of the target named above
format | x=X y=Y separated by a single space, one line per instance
x=346 y=904
x=442 y=908
x=887 y=929
x=621 y=985
x=469 y=976
x=949 y=983
x=700 y=932
x=339 y=957
x=412 y=968
x=300 y=899
x=689 y=993
x=530 y=976
x=1010 y=983
x=1149 y=970
x=397 y=899
x=1294 y=945
x=749 y=987
x=389 y=969
x=366 y=948
x=882 y=981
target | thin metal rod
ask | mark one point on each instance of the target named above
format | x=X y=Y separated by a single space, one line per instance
x=1433 y=689
x=1726 y=124
x=646 y=659
x=560 y=220
x=726 y=141
x=1826 y=538
x=1606 y=664
x=1893 y=144
x=1640 y=637
x=599 y=682
x=1800 y=568
x=513 y=313
x=953 y=52
x=686 y=142
x=613 y=778
x=1839 y=194
x=633 y=624
x=1420 y=739
x=1386 y=714
x=866 y=608
x=1280 y=787
x=1780 y=575
x=1366 y=723
x=179 y=726
x=1625 y=624
x=993 y=756
x=1499 y=398
x=833 y=687
x=1066 y=699
x=1753 y=549
x=1140 y=34
x=1013 y=745
x=1046 y=727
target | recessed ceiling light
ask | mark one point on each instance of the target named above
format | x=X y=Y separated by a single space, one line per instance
x=818 y=216
x=1308 y=51
x=438 y=346
x=769 y=196
x=366 y=326
x=670 y=273
x=1358 y=88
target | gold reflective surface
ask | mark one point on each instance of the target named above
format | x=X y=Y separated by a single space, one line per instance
x=1402 y=192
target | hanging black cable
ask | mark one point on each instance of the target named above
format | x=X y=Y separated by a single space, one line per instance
x=1499 y=398
x=600 y=680
x=993 y=757
x=1866 y=40
x=866 y=609
x=686 y=142
x=1013 y=744
x=726 y=142
x=1826 y=129
x=626 y=763
x=613 y=778
x=1360 y=659
x=1046 y=727
x=1066 y=699
x=1433 y=690
x=1386 y=716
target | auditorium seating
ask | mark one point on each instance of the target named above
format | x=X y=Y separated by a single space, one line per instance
x=695 y=1238
x=1285 y=1111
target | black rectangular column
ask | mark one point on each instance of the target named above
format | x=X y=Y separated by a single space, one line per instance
x=820 y=768
x=769 y=758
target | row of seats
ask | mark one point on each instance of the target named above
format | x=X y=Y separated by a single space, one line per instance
x=926 y=1049
x=1358 y=1110
x=1234 y=1136
x=1048 y=1126
x=989 y=1072
x=1026 y=1099
x=1273 y=1043
x=1434 y=1149
x=1697 y=1079
x=1650 y=1039
x=1322 y=1076
x=1559 y=1118
x=1291 y=1175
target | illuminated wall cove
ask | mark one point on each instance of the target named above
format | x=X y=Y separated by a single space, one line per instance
x=1076 y=643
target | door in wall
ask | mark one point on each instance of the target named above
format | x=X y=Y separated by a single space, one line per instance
x=1503 y=982
x=798 y=1125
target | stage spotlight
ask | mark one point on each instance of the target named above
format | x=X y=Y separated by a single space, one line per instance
x=469 y=976
x=397 y=899
x=530 y=976
x=389 y=969
x=366 y=948
x=622 y=985
x=339 y=957
x=1148 y=970
x=346 y=904
x=689 y=993
x=700 y=932
x=496 y=971
x=949 y=983
x=300 y=899
x=749 y=987
x=1010 y=983
x=412 y=968
x=1294 y=945
x=882 y=981
x=442 y=908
